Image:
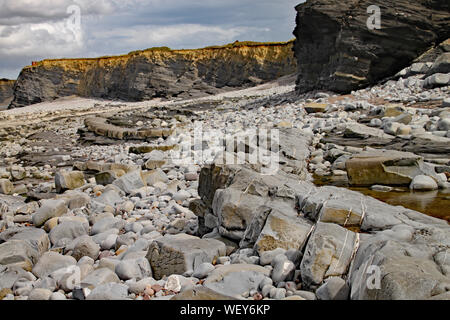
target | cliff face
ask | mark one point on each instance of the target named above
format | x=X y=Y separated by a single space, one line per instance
x=6 y=91
x=336 y=51
x=158 y=72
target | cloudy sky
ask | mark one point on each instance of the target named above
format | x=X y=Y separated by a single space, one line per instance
x=38 y=29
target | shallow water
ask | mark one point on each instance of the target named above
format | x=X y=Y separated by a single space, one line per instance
x=433 y=203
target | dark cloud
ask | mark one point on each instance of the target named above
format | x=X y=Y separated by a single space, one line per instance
x=34 y=30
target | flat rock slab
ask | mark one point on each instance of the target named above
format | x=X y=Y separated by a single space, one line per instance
x=109 y=291
x=385 y=167
x=201 y=294
x=235 y=279
x=101 y=127
x=182 y=253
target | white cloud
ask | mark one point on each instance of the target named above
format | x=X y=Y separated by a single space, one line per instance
x=38 y=29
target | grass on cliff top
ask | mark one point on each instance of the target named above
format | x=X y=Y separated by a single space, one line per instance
x=236 y=44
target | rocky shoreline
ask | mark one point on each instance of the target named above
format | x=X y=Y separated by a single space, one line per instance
x=204 y=190
x=99 y=204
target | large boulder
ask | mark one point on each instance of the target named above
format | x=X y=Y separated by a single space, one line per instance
x=329 y=253
x=37 y=238
x=399 y=267
x=337 y=51
x=18 y=253
x=283 y=231
x=384 y=167
x=236 y=279
x=181 y=254
x=69 y=180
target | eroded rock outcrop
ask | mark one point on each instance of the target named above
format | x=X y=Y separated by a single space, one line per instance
x=154 y=73
x=328 y=234
x=6 y=91
x=336 y=50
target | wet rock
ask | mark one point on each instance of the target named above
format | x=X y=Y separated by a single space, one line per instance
x=384 y=167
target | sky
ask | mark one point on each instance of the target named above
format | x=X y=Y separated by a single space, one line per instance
x=32 y=30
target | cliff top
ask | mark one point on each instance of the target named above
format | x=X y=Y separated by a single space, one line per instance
x=3 y=80
x=234 y=45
